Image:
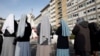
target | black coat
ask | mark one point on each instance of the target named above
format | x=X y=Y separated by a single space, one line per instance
x=82 y=37
x=62 y=41
x=98 y=40
x=93 y=36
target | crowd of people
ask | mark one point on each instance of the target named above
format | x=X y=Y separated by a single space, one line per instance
x=15 y=37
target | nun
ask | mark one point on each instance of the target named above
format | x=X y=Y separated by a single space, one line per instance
x=82 y=44
x=9 y=32
x=63 y=33
x=23 y=38
x=44 y=40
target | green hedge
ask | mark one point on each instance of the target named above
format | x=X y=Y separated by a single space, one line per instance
x=72 y=36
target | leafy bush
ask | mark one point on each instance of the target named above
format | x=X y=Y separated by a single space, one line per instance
x=72 y=36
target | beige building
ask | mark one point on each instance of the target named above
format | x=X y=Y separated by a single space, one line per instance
x=44 y=12
x=37 y=20
x=87 y=9
x=57 y=11
x=53 y=12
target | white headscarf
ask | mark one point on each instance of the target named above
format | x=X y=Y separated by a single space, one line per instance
x=65 y=28
x=45 y=30
x=21 y=26
x=30 y=20
x=9 y=24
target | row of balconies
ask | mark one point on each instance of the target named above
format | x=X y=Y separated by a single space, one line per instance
x=81 y=6
x=85 y=12
x=52 y=3
x=90 y=18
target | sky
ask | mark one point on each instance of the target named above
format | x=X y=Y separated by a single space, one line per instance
x=19 y=7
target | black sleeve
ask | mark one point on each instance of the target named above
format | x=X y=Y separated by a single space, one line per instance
x=0 y=32
x=15 y=26
x=51 y=33
x=15 y=29
x=29 y=30
x=38 y=29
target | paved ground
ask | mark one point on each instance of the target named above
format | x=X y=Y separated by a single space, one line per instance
x=33 y=50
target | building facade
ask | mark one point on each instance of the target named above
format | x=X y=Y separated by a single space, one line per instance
x=57 y=11
x=44 y=12
x=37 y=20
x=87 y=9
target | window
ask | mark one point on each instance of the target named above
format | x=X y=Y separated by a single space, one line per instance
x=60 y=17
x=53 y=8
x=92 y=17
x=91 y=10
x=59 y=3
x=74 y=15
x=99 y=16
x=99 y=8
x=85 y=12
x=60 y=14
x=53 y=12
x=69 y=16
x=52 y=4
x=87 y=2
x=80 y=5
x=88 y=11
x=69 y=4
x=53 y=17
x=53 y=21
x=91 y=1
x=94 y=9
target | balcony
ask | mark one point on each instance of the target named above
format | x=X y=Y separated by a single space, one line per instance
x=90 y=3
x=52 y=2
x=52 y=11
x=80 y=1
x=52 y=15
x=51 y=20
x=97 y=1
x=92 y=21
x=98 y=8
